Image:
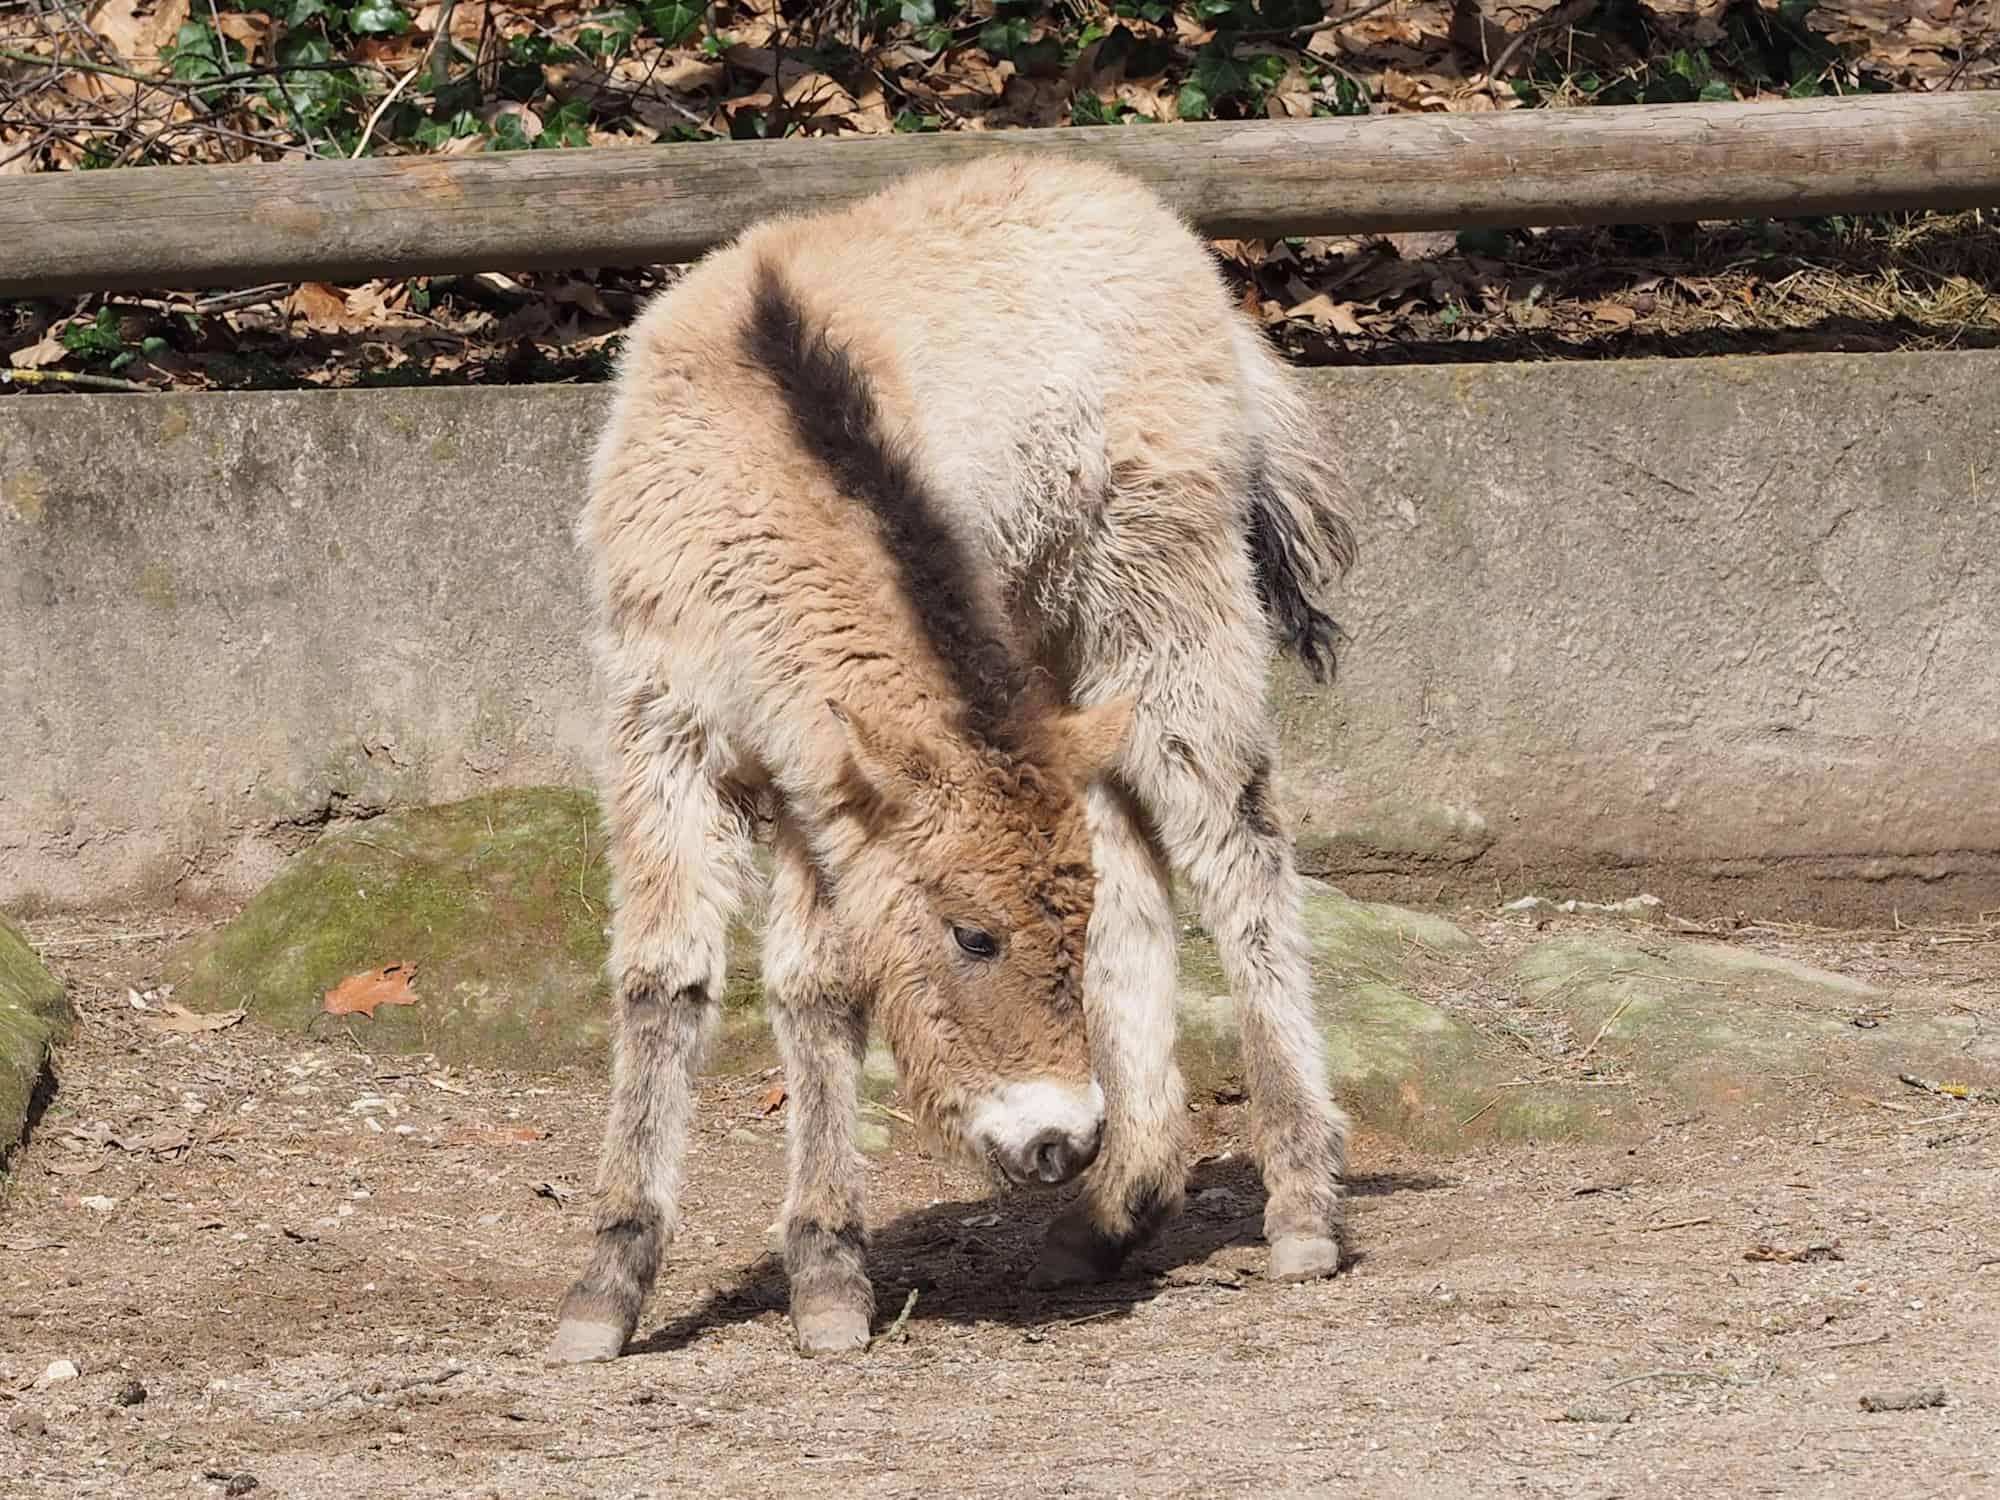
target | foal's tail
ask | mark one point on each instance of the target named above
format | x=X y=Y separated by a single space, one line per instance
x=1297 y=524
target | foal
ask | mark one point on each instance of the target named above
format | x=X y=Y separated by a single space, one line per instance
x=956 y=528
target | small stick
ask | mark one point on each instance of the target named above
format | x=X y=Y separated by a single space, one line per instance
x=1683 y=1375
x=1478 y=1112
x=64 y=377
x=1677 y=1224
x=895 y=1329
x=1903 y=1400
x=1609 y=1021
x=368 y=130
x=236 y=301
x=450 y=1372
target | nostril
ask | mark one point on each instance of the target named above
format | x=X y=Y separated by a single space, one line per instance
x=1049 y=1159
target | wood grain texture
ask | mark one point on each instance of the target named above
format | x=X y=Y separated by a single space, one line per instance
x=210 y=226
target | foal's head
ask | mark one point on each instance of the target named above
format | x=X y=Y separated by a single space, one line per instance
x=973 y=897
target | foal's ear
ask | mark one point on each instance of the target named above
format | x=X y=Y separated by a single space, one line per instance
x=890 y=768
x=1094 y=736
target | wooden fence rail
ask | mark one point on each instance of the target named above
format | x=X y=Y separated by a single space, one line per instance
x=159 y=227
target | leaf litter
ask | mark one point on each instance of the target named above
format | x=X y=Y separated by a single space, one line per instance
x=129 y=88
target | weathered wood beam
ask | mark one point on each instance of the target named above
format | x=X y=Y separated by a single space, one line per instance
x=210 y=226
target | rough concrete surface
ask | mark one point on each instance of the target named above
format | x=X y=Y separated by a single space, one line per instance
x=1720 y=628
x=34 y=1016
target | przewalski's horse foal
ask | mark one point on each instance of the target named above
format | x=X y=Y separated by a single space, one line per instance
x=957 y=527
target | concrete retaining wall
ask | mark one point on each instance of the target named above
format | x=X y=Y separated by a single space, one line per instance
x=1724 y=629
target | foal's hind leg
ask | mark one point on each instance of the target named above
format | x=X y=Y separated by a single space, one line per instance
x=680 y=842
x=1206 y=779
x=819 y=1010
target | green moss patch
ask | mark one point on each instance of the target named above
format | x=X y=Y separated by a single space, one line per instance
x=501 y=903
x=1403 y=1066
x=35 y=1015
x=1717 y=1024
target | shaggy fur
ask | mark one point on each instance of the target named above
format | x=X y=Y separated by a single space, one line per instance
x=958 y=526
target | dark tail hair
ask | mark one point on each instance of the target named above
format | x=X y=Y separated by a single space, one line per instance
x=1277 y=551
x=1296 y=523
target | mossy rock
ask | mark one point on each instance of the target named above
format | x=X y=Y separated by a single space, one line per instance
x=499 y=901
x=1717 y=1025
x=35 y=1016
x=1403 y=1066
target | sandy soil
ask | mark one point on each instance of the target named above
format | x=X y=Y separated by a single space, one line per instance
x=332 y=1273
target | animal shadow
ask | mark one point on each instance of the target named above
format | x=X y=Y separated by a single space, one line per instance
x=967 y=1261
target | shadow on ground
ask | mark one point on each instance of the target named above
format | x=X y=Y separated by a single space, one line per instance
x=966 y=1268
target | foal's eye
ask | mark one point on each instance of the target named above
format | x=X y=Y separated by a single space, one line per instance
x=978 y=944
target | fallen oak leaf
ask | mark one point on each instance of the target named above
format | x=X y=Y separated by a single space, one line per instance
x=1323 y=312
x=361 y=993
x=323 y=307
x=771 y=1100
x=1614 y=314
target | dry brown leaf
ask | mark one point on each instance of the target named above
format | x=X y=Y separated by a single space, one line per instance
x=1323 y=312
x=580 y=294
x=162 y=1142
x=361 y=993
x=1150 y=99
x=76 y=1166
x=138 y=29
x=1792 y=1257
x=1615 y=314
x=322 y=306
x=771 y=1100
x=176 y=1017
x=51 y=350
x=499 y=1135
x=244 y=27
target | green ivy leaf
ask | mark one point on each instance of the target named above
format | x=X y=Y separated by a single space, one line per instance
x=1003 y=36
x=378 y=18
x=508 y=135
x=1219 y=75
x=196 y=54
x=673 y=22
x=1193 y=102
x=95 y=339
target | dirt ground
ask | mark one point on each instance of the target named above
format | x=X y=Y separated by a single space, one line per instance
x=333 y=1274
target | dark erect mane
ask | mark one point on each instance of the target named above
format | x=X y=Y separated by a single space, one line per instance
x=834 y=415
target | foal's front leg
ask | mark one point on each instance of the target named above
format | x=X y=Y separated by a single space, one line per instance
x=680 y=840
x=820 y=1014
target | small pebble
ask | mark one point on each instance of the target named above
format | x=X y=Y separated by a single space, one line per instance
x=131 y=1393
x=97 y=1203
x=240 y=1484
x=23 y=1422
x=58 y=1372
